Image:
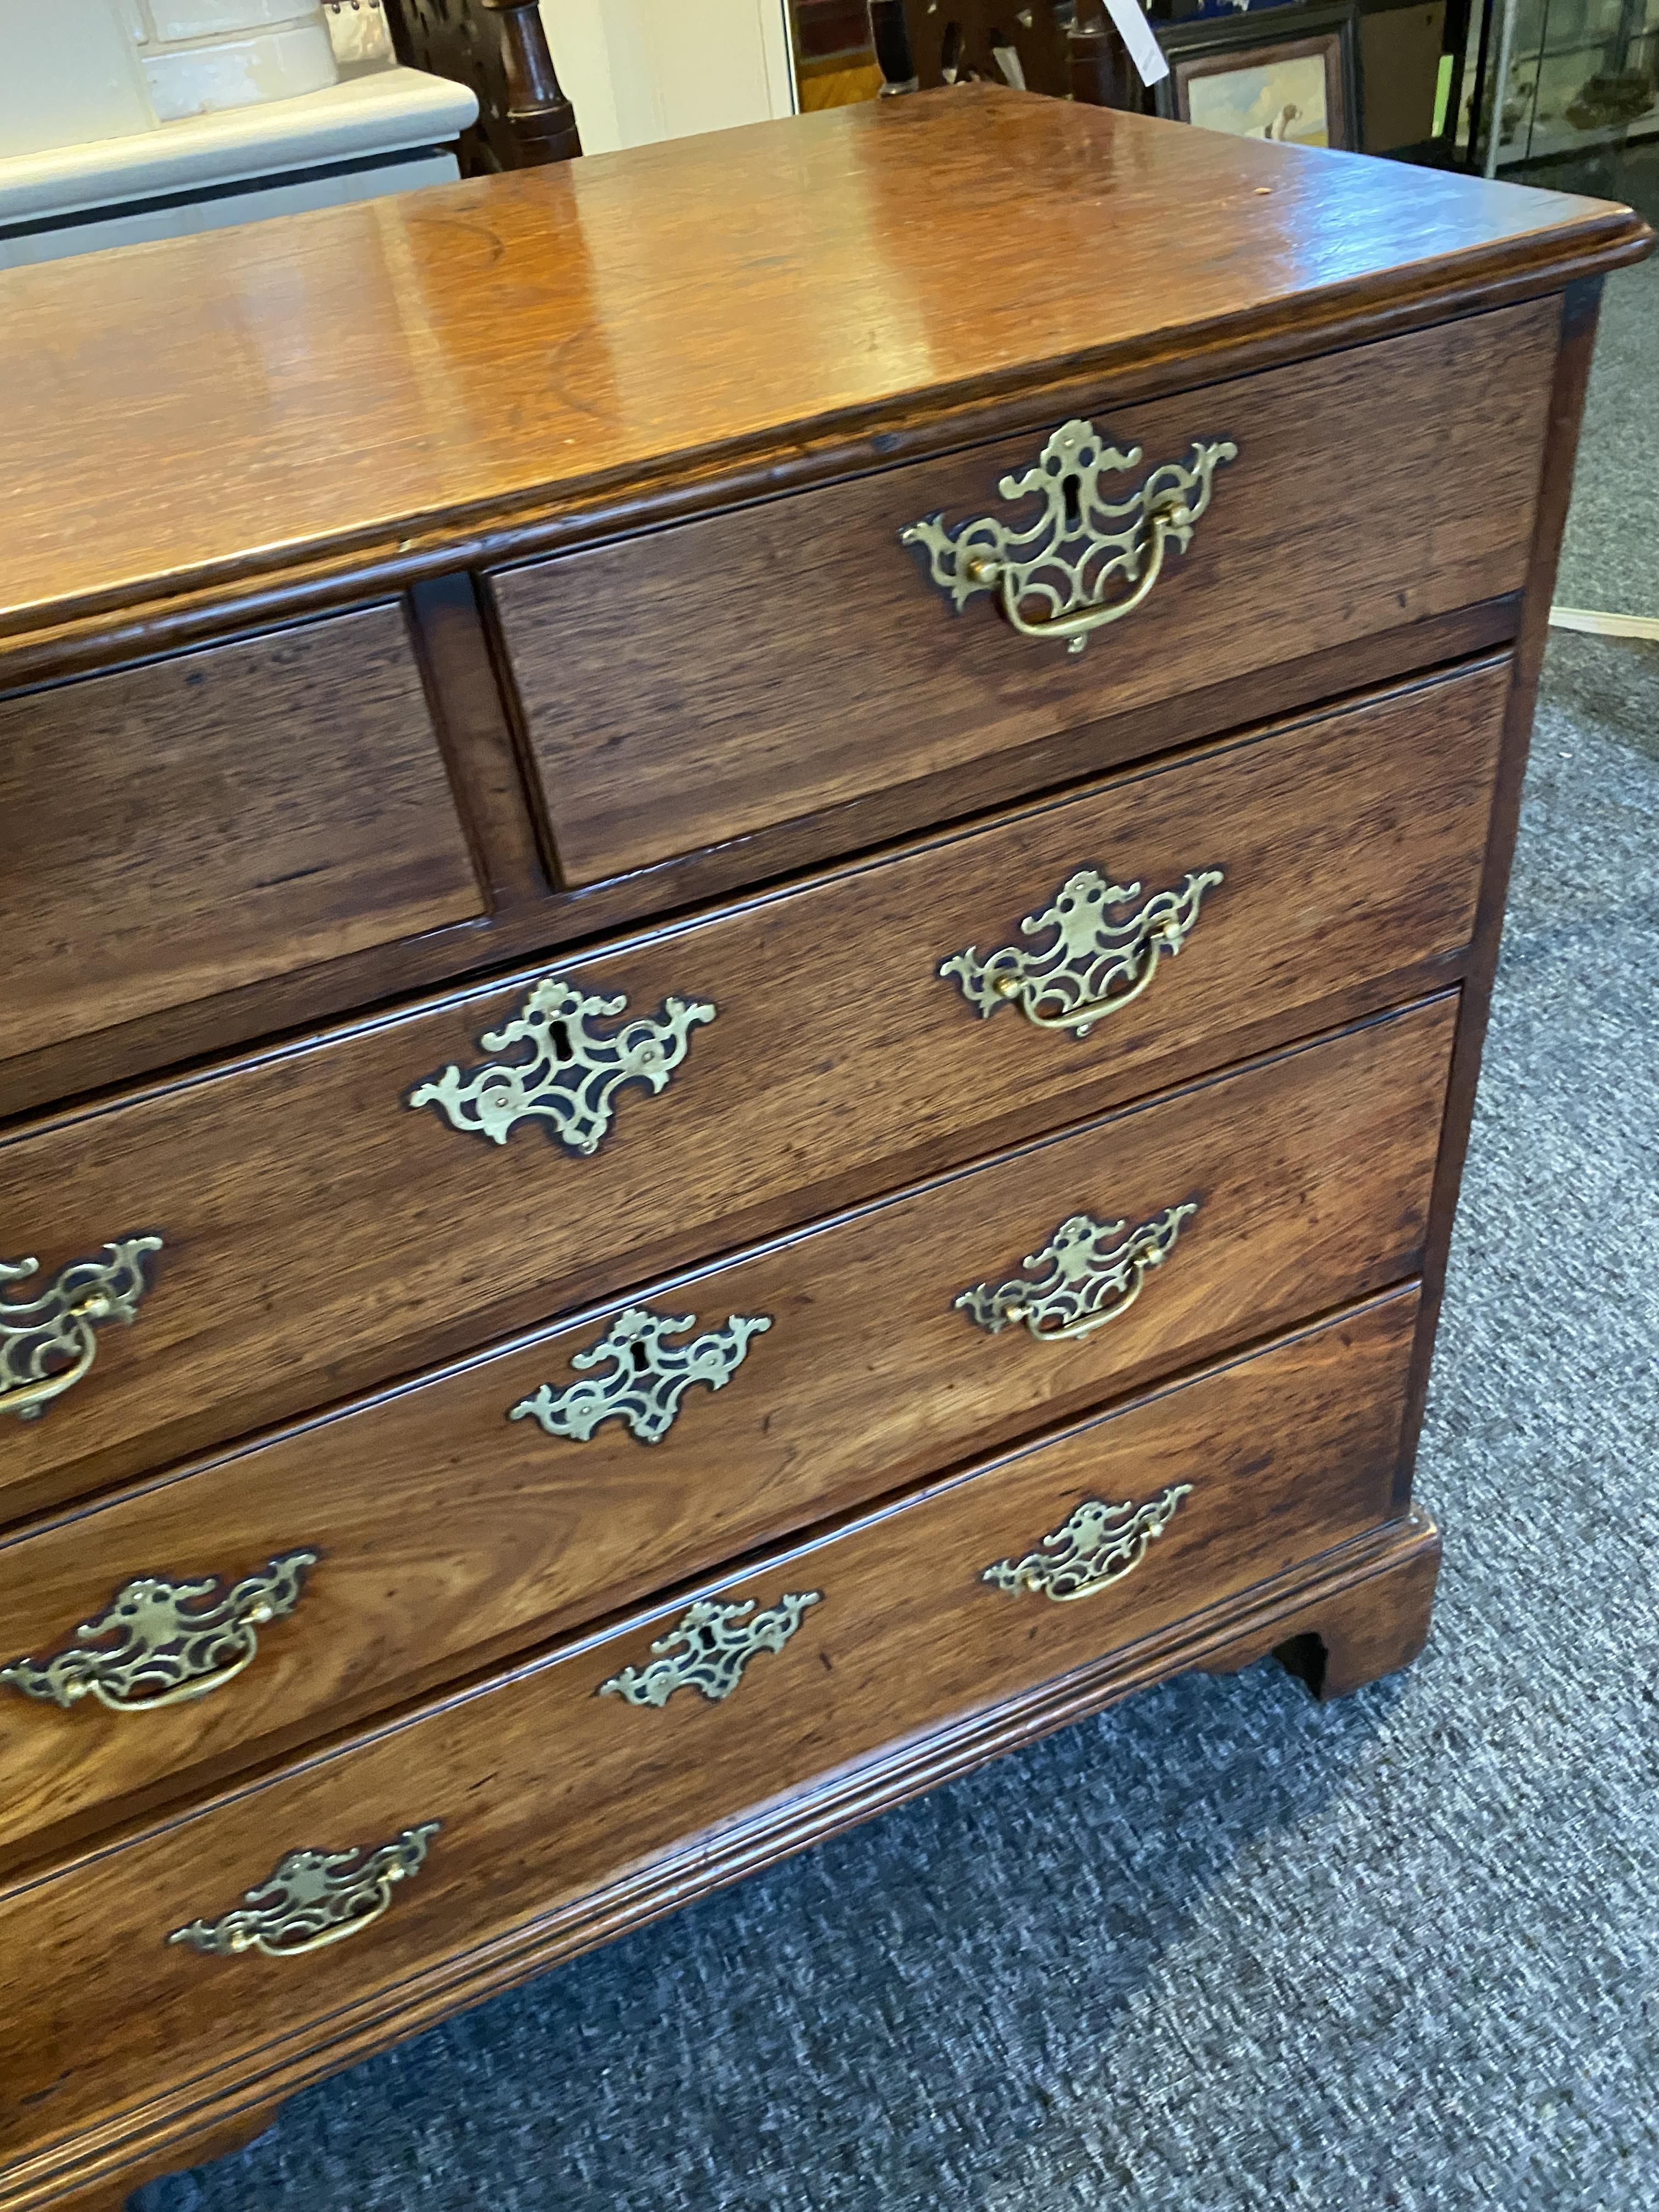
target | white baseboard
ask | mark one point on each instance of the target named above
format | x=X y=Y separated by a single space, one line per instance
x=1604 y=625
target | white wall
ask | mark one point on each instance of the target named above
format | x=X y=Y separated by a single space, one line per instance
x=70 y=73
x=638 y=70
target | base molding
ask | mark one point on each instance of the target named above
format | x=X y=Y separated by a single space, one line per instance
x=1343 y=1620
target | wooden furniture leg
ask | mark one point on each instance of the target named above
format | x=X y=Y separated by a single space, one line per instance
x=113 y=2193
x=1369 y=1628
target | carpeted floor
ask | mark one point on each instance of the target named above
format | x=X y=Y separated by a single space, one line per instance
x=1610 y=555
x=1222 y=1949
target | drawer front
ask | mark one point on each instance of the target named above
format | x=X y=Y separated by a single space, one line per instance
x=174 y=831
x=711 y=680
x=545 y=1790
x=319 y=1235
x=443 y=1532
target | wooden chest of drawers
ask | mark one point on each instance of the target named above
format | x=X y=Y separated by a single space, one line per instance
x=744 y=1163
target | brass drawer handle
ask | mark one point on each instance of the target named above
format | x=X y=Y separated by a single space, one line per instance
x=571 y=1077
x=157 y=1644
x=313 y=1898
x=61 y=1326
x=1080 y=543
x=1098 y=1546
x=1095 y=967
x=1080 y=1280
x=649 y=1376
x=715 y=1642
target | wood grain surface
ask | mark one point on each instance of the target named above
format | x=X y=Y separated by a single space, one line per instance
x=546 y=1791
x=449 y=1534
x=534 y=338
x=713 y=680
x=195 y=825
x=321 y=1237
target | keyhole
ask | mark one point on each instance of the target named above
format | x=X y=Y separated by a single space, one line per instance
x=558 y=1037
x=636 y=1351
x=1073 y=506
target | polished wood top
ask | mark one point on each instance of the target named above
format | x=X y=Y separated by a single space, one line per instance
x=393 y=373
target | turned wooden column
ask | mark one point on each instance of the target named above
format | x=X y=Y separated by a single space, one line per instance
x=890 y=35
x=541 y=120
x=1098 y=70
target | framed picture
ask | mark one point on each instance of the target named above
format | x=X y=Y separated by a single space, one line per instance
x=1288 y=74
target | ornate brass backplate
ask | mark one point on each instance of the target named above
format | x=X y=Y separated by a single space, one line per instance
x=570 y=1077
x=159 y=1643
x=649 y=1376
x=1081 y=544
x=1098 y=1546
x=708 y=1648
x=1087 y=1275
x=313 y=1898
x=48 y=1343
x=1094 y=966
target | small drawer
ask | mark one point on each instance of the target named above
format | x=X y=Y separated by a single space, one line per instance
x=411 y=1538
x=177 y=830
x=566 y=1791
x=705 y=682
x=361 y=1207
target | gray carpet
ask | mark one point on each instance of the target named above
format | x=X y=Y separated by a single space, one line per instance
x=1222 y=1949
x=1610 y=555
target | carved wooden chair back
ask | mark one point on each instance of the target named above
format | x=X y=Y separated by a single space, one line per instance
x=960 y=41
x=499 y=50
x=1061 y=47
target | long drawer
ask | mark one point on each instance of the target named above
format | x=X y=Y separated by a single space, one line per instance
x=702 y=683
x=446 y=1524
x=394 y=1195
x=521 y=1798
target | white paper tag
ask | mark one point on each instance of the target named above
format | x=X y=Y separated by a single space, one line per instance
x=1136 y=33
x=1013 y=70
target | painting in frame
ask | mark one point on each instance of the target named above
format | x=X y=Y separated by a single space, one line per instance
x=1293 y=79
